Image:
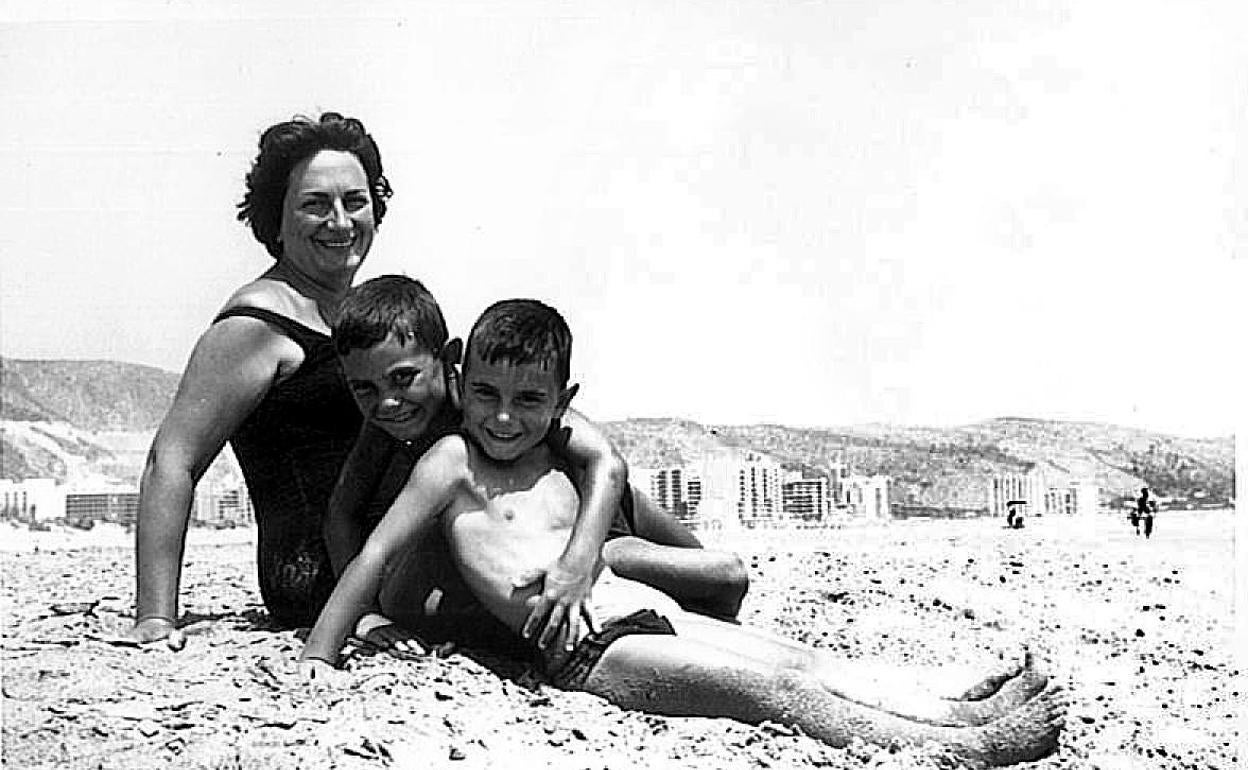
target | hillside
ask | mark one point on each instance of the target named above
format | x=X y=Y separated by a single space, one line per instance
x=64 y=418
x=952 y=467
x=82 y=419
x=90 y=395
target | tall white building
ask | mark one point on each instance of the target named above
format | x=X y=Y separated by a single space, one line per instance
x=807 y=500
x=31 y=500
x=867 y=496
x=727 y=489
x=760 y=494
x=226 y=504
x=1046 y=490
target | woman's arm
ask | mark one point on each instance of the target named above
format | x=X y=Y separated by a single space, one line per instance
x=231 y=368
x=602 y=478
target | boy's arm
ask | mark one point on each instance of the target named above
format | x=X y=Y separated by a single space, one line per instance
x=602 y=479
x=428 y=491
x=356 y=488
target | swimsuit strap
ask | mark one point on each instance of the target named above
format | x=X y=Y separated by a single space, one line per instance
x=304 y=336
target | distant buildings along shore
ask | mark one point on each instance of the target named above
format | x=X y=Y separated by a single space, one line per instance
x=730 y=490
x=84 y=503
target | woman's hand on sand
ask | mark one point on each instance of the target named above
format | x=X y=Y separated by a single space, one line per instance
x=318 y=673
x=155 y=629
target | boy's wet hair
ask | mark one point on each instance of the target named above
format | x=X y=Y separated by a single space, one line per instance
x=389 y=304
x=522 y=331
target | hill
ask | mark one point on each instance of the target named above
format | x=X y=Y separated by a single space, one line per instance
x=89 y=395
x=952 y=468
x=82 y=419
x=65 y=418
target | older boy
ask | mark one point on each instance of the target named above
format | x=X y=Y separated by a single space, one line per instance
x=497 y=492
x=400 y=366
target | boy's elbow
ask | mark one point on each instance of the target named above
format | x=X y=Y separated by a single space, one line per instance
x=736 y=577
x=616 y=470
x=613 y=469
x=734 y=582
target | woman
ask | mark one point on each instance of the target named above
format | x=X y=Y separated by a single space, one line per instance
x=264 y=375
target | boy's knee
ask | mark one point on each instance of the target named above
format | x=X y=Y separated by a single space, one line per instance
x=733 y=579
x=735 y=576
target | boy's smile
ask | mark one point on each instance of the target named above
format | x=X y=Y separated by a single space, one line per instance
x=399 y=386
x=508 y=409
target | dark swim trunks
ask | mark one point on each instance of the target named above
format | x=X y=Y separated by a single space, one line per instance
x=625 y=521
x=581 y=662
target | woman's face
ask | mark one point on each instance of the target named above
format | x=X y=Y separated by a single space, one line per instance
x=327 y=217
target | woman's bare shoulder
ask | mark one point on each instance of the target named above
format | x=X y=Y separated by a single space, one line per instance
x=267 y=294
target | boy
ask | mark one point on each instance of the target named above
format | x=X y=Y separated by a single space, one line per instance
x=497 y=492
x=400 y=365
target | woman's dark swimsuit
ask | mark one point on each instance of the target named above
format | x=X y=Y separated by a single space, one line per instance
x=291 y=448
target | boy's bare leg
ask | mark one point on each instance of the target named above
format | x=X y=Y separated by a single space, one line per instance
x=906 y=692
x=679 y=676
x=667 y=556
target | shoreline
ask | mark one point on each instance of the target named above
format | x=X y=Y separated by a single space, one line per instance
x=18 y=538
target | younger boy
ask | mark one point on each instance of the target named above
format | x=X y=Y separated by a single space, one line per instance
x=497 y=492
x=400 y=365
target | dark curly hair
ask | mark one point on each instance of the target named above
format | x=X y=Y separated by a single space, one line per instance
x=282 y=147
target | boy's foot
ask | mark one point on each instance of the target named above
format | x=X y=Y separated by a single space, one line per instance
x=989 y=685
x=1012 y=694
x=1026 y=734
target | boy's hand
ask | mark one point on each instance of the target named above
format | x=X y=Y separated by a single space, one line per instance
x=379 y=632
x=564 y=593
x=154 y=629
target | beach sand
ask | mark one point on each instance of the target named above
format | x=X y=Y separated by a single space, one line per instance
x=1141 y=632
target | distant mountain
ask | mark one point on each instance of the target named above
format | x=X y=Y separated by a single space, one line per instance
x=64 y=418
x=952 y=468
x=89 y=395
x=82 y=419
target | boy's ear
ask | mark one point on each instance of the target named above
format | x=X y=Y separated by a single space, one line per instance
x=565 y=398
x=452 y=351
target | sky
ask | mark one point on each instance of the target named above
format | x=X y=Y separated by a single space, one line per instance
x=801 y=213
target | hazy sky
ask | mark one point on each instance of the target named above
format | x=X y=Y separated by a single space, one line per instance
x=793 y=212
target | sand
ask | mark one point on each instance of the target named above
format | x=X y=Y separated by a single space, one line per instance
x=1140 y=632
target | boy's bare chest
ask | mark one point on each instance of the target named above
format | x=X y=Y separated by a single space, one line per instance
x=506 y=504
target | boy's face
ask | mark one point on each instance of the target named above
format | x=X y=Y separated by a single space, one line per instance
x=508 y=408
x=399 y=386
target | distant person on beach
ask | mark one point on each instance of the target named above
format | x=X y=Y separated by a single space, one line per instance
x=264 y=377
x=1014 y=516
x=503 y=500
x=400 y=366
x=1145 y=511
